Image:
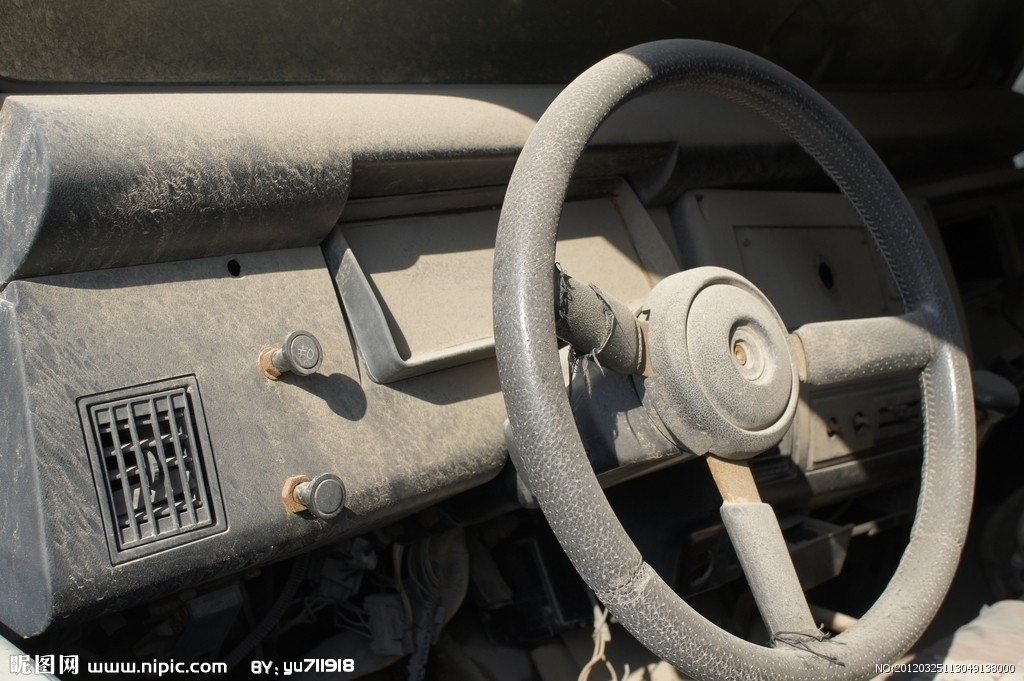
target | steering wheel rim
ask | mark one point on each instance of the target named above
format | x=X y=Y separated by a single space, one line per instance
x=546 y=447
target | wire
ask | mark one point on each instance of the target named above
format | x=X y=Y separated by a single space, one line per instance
x=273 y=616
x=602 y=635
x=310 y=607
x=396 y=558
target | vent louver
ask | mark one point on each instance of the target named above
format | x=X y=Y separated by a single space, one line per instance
x=153 y=467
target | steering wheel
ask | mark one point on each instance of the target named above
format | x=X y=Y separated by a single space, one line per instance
x=724 y=380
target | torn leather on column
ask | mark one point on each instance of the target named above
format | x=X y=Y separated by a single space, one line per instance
x=597 y=325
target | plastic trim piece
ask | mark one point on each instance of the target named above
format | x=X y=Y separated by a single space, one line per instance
x=370 y=327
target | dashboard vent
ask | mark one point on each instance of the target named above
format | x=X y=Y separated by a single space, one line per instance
x=897 y=418
x=153 y=466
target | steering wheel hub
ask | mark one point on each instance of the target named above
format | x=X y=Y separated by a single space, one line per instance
x=724 y=381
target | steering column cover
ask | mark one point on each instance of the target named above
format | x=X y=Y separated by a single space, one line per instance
x=549 y=454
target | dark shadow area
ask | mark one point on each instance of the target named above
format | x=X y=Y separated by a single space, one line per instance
x=872 y=44
x=615 y=427
x=342 y=394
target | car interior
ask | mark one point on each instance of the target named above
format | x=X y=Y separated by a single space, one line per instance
x=517 y=341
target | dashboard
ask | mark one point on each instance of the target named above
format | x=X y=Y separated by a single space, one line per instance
x=158 y=245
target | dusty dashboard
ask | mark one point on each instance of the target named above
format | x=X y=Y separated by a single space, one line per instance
x=143 y=446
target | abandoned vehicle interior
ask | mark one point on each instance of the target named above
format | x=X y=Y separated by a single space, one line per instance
x=352 y=339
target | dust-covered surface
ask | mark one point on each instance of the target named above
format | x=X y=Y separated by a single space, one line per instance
x=92 y=182
x=72 y=336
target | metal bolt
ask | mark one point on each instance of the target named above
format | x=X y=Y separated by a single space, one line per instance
x=323 y=496
x=739 y=351
x=300 y=353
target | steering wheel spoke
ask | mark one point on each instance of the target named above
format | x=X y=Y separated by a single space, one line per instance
x=763 y=553
x=854 y=349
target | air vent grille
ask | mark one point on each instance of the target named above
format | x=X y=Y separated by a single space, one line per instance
x=153 y=467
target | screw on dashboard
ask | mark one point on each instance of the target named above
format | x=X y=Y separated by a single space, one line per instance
x=288 y=493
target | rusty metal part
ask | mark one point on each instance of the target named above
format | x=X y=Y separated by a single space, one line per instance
x=797 y=346
x=288 y=493
x=266 y=362
x=734 y=480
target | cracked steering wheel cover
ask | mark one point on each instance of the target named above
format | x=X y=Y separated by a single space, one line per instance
x=547 y=449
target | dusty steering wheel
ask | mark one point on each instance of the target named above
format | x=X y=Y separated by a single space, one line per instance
x=725 y=380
